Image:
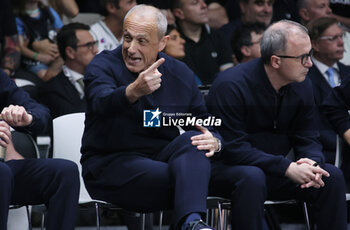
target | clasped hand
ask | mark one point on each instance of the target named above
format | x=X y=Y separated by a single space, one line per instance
x=304 y=172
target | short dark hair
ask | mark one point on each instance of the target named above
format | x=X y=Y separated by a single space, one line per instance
x=103 y=4
x=319 y=25
x=67 y=37
x=242 y=37
x=175 y=4
x=170 y=28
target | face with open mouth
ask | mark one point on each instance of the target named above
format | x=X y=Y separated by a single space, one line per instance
x=141 y=42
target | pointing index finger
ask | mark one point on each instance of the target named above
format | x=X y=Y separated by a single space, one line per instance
x=155 y=65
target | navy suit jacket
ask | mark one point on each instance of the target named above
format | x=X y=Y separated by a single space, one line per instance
x=321 y=90
x=114 y=126
x=336 y=106
x=61 y=97
x=10 y=94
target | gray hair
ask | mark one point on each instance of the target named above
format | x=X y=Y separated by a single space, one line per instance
x=162 y=22
x=276 y=37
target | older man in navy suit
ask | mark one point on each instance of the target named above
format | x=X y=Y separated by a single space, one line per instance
x=326 y=73
x=129 y=159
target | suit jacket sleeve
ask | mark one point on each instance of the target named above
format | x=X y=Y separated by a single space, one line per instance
x=102 y=93
x=12 y=95
x=336 y=107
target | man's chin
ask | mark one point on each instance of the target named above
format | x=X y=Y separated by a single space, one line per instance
x=134 y=68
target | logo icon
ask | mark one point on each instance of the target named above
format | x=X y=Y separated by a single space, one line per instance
x=151 y=118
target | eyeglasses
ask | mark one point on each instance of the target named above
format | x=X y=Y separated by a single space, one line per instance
x=332 y=38
x=303 y=58
x=89 y=45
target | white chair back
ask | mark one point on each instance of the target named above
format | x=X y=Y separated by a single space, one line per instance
x=67 y=134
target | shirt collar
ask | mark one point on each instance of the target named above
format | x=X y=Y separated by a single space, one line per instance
x=71 y=74
x=322 y=67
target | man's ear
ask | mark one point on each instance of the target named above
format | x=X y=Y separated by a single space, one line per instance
x=242 y=7
x=110 y=7
x=163 y=42
x=245 y=50
x=275 y=61
x=304 y=14
x=315 y=46
x=70 y=52
x=178 y=13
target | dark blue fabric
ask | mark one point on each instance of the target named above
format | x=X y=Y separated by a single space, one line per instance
x=229 y=28
x=176 y=178
x=53 y=182
x=114 y=125
x=336 y=106
x=11 y=94
x=321 y=90
x=143 y=169
x=36 y=181
x=261 y=126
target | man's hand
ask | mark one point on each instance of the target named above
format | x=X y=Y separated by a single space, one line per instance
x=45 y=58
x=317 y=182
x=16 y=116
x=46 y=47
x=205 y=141
x=347 y=136
x=306 y=175
x=5 y=134
x=146 y=83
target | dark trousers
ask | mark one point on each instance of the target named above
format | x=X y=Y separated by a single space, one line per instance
x=53 y=182
x=176 y=178
x=247 y=187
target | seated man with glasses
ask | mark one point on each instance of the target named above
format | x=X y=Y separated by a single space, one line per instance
x=64 y=93
x=326 y=73
x=267 y=109
x=245 y=42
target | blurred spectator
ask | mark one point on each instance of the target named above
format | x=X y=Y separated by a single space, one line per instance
x=64 y=93
x=252 y=11
x=35 y=22
x=216 y=14
x=283 y=9
x=109 y=31
x=9 y=55
x=336 y=107
x=341 y=9
x=207 y=51
x=175 y=46
x=312 y=9
x=246 y=42
x=69 y=8
x=232 y=8
x=327 y=72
